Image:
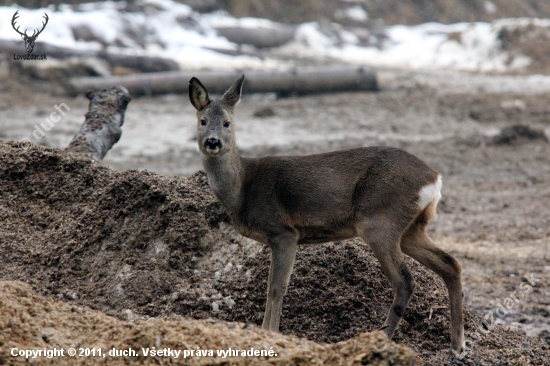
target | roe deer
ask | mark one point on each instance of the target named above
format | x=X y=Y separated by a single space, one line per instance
x=384 y=195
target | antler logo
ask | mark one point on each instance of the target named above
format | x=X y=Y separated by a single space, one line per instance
x=29 y=40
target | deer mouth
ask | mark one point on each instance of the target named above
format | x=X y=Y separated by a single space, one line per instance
x=213 y=151
x=212 y=146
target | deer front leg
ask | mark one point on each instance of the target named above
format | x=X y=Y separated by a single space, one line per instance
x=283 y=253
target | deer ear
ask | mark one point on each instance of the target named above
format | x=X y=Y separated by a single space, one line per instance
x=232 y=96
x=198 y=94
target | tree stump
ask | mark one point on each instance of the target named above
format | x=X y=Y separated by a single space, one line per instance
x=102 y=126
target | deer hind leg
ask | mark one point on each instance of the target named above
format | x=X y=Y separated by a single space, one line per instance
x=417 y=244
x=283 y=253
x=385 y=247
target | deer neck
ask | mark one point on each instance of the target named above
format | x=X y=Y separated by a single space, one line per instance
x=225 y=175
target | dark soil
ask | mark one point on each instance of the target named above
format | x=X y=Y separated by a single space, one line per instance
x=137 y=245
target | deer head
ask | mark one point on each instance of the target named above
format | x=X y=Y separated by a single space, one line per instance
x=215 y=131
x=29 y=40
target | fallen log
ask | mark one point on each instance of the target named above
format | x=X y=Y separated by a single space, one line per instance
x=102 y=125
x=236 y=52
x=134 y=62
x=140 y=63
x=40 y=48
x=274 y=36
x=304 y=80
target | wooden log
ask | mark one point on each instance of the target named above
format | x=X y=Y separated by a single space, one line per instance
x=304 y=80
x=274 y=36
x=40 y=48
x=135 y=62
x=140 y=63
x=236 y=52
x=102 y=125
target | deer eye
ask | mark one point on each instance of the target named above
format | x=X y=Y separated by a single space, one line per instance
x=226 y=124
x=203 y=122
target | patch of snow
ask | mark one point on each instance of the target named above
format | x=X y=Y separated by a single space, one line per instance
x=168 y=29
x=159 y=31
x=356 y=13
x=461 y=46
x=490 y=7
x=223 y=19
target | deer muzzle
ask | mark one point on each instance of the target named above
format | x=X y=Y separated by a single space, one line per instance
x=212 y=144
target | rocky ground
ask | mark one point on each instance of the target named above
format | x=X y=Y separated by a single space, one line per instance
x=136 y=245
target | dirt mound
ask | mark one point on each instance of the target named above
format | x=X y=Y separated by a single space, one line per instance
x=517 y=134
x=42 y=323
x=138 y=245
x=81 y=226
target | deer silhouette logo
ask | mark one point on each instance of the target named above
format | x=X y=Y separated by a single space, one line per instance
x=29 y=40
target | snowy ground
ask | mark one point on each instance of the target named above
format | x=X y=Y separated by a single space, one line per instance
x=168 y=29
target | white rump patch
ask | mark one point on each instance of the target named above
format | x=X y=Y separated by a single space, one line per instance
x=429 y=193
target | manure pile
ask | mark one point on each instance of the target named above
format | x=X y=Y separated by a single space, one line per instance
x=137 y=245
x=44 y=323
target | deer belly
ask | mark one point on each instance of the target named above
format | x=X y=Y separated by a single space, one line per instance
x=250 y=233
x=312 y=235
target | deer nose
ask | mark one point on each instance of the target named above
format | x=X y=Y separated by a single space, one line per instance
x=212 y=143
